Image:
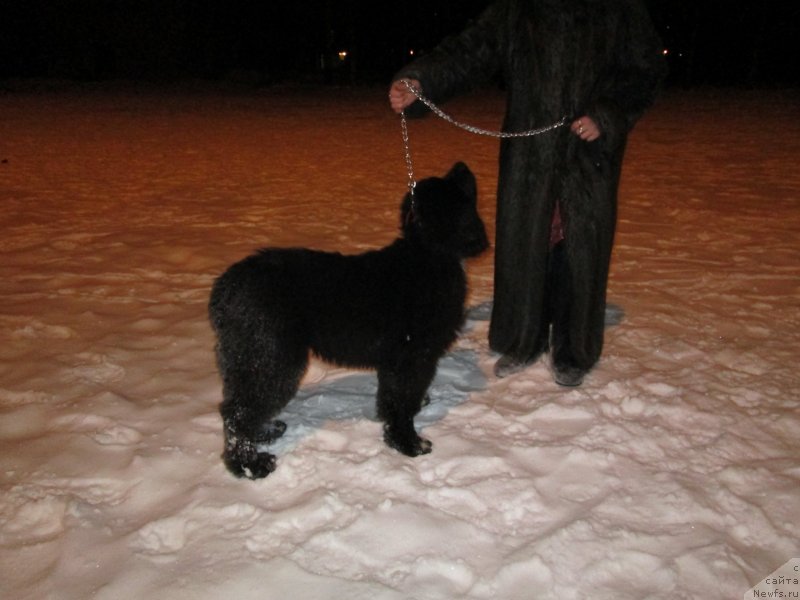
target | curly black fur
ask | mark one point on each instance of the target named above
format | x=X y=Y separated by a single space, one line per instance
x=396 y=310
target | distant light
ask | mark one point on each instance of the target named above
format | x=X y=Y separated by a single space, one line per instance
x=411 y=52
x=665 y=52
x=342 y=54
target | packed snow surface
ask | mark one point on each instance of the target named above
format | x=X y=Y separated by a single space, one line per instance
x=672 y=472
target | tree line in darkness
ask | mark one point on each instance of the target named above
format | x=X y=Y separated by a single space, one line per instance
x=713 y=42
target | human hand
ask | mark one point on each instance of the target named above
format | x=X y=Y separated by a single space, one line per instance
x=400 y=96
x=586 y=129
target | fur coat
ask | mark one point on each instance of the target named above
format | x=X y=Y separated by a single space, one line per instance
x=600 y=58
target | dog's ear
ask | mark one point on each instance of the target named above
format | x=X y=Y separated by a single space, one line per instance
x=407 y=212
x=461 y=175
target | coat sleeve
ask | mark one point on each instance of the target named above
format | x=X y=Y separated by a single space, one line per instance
x=636 y=76
x=460 y=62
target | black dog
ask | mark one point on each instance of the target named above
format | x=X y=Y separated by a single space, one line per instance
x=396 y=310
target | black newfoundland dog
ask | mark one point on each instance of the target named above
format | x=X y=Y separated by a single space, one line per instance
x=395 y=310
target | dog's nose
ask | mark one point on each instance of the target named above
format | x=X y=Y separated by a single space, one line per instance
x=475 y=245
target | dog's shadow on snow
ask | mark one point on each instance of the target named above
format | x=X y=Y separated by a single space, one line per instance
x=352 y=397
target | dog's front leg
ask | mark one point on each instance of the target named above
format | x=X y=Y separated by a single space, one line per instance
x=401 y=394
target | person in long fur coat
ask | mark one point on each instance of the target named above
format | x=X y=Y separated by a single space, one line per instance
x=600 y=63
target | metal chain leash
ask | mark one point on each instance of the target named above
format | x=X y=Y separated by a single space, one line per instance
x=409 y=165
x=470 y=128
x=477 y=130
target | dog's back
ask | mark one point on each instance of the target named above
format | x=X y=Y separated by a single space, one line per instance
x=349 y=310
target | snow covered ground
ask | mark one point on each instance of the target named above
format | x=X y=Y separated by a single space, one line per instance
x=671 y=473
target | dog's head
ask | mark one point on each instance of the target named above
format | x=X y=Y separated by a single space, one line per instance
x=444 y=213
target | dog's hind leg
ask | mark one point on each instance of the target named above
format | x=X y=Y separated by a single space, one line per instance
x=250 y=404
x=257 y=384
x=401 y=394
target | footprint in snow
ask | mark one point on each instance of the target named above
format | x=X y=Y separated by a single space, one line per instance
x=102 y=430
x=95 y=368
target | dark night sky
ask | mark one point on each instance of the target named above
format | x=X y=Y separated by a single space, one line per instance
x=263 y=41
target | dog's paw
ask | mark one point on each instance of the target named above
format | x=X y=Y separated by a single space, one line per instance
x=425 y=446
x=244 y=460
x=258 y=468
x=408 y=444
x=261 y=467
x=271 y=432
